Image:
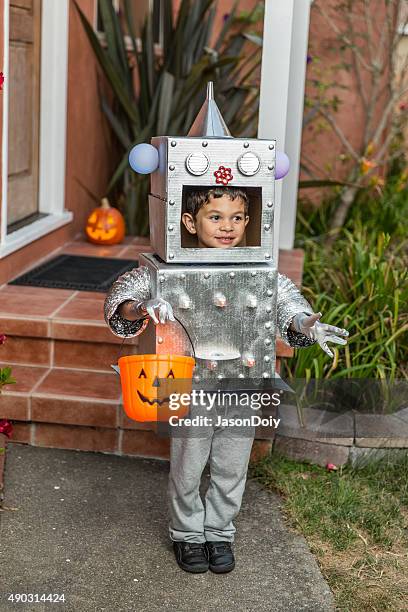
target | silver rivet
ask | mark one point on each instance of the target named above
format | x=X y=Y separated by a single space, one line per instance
x=170 y=228
x=251 y=301
x=204 y=143
x=269 y=204
x=197 y=378
x=220 y=300
x=184 y=302
x=171 y=255
x=253 y=273
x=162 y=279
x=268 y=309
x=246 y=145
x=268 y=325
x=269 y=292
x=160 y=340
x=267 y=341
x=270 y=166
x=173 y=143
x=220 y=376
x=206 y=275
x=271 y=147
x=182 y=276
x=248 y=360
x=232 y=274
x=241 y=375
x=265 y=375
x=267 y=227
x=172 y=202
x=172 y=167
x=267 y=256
x=267 y=358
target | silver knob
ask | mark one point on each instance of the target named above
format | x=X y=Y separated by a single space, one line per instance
x=249 y=163
x=197 y=163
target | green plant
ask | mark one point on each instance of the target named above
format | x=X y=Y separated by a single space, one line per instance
x=5 y=373
x=171 y=83
x=361 y=285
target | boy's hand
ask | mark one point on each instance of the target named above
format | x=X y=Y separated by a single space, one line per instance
x=310 y=326
x=157 y=309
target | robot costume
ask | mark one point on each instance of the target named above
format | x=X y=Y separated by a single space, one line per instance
x=231 y=301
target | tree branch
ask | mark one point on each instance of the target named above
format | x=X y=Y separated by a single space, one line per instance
x=340 y=134
x=344 y=37
x=356 y=66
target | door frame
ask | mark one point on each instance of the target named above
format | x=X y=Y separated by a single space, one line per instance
x=53 y=120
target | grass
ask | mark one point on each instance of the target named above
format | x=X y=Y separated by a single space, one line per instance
x=356 y=523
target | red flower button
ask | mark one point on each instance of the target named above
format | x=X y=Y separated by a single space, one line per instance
x=223 y=175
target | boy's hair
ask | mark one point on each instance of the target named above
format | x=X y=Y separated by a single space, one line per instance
x=197 y=199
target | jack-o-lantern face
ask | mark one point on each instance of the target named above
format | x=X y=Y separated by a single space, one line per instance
x=148 y=381
x=155 y=385
x=105 y=225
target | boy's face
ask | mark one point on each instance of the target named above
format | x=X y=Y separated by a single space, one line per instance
x=219 y=224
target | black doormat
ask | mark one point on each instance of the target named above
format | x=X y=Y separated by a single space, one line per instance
x=76 y=272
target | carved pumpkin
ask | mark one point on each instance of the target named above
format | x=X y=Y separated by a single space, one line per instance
x=149 y=380
x=105 y=225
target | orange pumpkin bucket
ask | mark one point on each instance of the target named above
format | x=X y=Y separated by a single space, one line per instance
x=148 y=381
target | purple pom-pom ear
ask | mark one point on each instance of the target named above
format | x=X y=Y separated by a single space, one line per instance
x=282 y=164
x=144 y=158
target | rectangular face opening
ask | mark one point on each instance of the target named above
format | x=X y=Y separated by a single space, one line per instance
x=211 y=226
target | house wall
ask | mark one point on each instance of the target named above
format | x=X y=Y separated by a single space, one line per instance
x=90 y=147
x=320 y=145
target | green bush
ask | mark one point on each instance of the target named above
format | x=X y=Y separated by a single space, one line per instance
x=361 y=284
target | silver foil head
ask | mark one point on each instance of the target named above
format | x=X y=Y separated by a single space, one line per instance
x=209 y=122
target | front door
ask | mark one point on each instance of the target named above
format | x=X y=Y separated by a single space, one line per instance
x=24 y=113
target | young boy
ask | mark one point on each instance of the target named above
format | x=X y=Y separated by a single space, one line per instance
x=202 y=536
x=218 y=217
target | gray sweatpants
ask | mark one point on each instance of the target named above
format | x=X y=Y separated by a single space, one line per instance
x=228 y=450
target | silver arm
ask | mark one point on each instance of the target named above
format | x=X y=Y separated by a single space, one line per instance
x=132 y=285
x=291 y=302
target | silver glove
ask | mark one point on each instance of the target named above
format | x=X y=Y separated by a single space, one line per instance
x=310 y=326
x=157 y=309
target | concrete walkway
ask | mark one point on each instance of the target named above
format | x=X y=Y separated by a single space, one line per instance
x=94 y=527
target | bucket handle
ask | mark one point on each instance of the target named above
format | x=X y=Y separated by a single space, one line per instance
x=187 y=334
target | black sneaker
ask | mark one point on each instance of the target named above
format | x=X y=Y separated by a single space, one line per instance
x=191 y=556
x=220 y=556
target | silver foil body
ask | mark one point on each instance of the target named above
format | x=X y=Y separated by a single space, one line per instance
x=229 y=313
